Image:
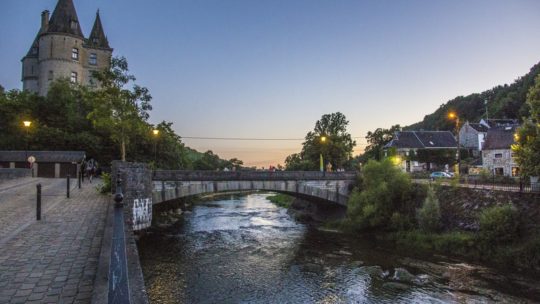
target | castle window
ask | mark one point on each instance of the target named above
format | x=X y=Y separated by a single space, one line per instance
x=74 y=25
x=92 y=60
x=75 y=54
x=73 y=77
x=51 y=75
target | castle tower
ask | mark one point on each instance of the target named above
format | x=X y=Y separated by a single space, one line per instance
x=60 y=50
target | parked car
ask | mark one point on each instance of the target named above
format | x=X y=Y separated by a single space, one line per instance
x=439 y=174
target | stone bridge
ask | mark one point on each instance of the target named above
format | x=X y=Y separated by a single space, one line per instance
x=329 y=186
x=144 y=188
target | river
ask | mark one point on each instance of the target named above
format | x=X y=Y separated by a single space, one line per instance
x=244 y=249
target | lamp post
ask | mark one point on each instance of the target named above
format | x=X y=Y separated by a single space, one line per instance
x=26 y=125
x=453 y=115
x=155 y=132
x=321 y=159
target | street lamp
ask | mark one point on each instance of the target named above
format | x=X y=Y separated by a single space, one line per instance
x=156 y=134
x=323 y=141
x=453 y=115
x=26 y=125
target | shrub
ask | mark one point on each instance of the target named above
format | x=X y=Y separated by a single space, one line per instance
x=499 y=225
x=429 y=215
x=385 y=190
x=105 y=186
x=281 y=200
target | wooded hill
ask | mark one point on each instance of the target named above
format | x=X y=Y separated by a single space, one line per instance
x=504 y=101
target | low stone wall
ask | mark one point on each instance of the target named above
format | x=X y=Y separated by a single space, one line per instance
x=14 y=173
x=461 y=207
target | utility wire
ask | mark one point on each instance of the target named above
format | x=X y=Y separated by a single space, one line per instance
x=240 y=138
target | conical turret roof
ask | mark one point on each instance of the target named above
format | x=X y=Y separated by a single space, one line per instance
x=64 y=19
x=97 y=36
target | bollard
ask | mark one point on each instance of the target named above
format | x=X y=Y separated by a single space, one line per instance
x=80 y=174
x=38 y=202
x=67 y=186
x=118 y=196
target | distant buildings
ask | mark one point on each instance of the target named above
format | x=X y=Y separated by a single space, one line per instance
x=497 y=155
x=414 y=148
x=60 y=50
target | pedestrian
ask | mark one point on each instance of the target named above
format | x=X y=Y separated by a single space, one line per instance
x=91 y=169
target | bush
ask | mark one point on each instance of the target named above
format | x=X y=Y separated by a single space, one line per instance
x=281 y=200
x=429 y=215
x=499 y=225
x=385 y=190
x=105 y=186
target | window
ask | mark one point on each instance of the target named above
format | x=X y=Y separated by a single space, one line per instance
x=51 y=75
x=515 y=171
x=75 y=54
x=498 y=155
x=74 y=25
x=92 y=60
x=74 y=77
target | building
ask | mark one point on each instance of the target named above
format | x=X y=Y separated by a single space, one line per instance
x=60 y=50
x=497 y=155
x=409 y=144
x=472 y=136
x=47 y=163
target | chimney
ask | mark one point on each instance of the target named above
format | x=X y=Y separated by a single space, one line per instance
x=45 y=20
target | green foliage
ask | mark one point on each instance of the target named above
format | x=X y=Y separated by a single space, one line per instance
x=105 y=186
x=281 y=200
x=376 y=141
x=499 y=224
x=429 y=215
x=384 y=190
x=453 y=242
x=506 y=101
x=527 y=149
x=117 y=110
x=336 y=149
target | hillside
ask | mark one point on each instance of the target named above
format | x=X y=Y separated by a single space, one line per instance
x=504 y=101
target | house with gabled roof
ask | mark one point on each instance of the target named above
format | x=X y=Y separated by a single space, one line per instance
x=497 y=155
x=407 y=145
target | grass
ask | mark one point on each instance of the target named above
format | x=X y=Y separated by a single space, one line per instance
x=281 y=200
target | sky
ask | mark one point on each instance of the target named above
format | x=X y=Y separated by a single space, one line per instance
x=271 y=69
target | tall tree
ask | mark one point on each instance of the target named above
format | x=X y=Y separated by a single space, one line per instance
x=117 y=109
x=527 y=148
x=376 y=141
x=336 y=148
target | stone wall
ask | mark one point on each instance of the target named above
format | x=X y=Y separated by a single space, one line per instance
x=461 y=207
x=506 y=161
x=14 y=173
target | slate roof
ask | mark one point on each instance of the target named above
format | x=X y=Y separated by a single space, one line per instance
x=97 y=36
x=479 y=127
x=43 y=156
x=499 y=138
x=493 y=123
x=64 y=19
x=423 y=140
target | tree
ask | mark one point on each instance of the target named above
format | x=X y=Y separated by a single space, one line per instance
x=376 y=141
x=336 y=149
x=429 y=216
x=208 y=161
x=120 y=111
x=527 y=148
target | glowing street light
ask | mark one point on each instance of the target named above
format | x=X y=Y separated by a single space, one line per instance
x=453 y=115
x=27 y=123
x=155 y=132
x=321 y=160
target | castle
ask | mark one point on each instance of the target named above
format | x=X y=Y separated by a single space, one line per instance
x=60 y=50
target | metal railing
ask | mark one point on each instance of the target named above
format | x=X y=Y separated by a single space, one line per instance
x=185 y=175
x=491 y=183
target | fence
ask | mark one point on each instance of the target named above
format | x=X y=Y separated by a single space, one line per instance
x=489 y=183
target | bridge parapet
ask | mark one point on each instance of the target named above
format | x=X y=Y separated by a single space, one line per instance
x=184 y=175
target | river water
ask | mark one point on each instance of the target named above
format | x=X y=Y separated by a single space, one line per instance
x=244 y=249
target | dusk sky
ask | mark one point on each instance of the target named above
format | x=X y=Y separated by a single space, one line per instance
x=270 y=69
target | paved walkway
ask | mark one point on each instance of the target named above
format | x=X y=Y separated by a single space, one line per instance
x=53 y=260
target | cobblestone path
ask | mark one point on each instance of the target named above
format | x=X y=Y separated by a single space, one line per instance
x=53 y=260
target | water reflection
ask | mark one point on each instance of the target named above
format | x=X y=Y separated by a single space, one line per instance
x=243 y=249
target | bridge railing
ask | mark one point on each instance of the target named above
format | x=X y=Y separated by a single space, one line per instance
x=185 y=175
